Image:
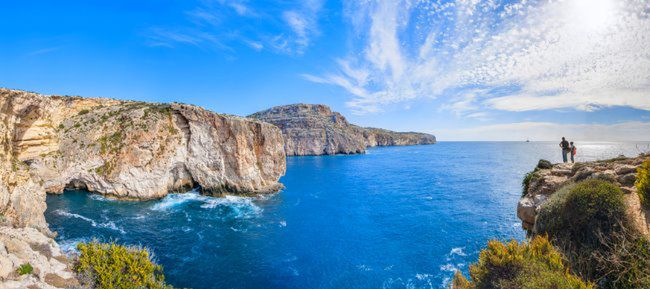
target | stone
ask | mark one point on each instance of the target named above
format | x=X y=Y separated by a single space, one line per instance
x=627 y=180
x=60 y=282
x=625 y=169
x=314 y=129
x=544 y=164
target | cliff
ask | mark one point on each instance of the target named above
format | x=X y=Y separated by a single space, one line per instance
x=547 y=179
x=314 y=129
x=125 y=149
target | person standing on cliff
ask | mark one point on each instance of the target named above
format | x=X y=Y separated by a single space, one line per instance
x=564 y=144
x=573 y=149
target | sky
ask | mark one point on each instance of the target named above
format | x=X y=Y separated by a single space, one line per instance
x=462 y=70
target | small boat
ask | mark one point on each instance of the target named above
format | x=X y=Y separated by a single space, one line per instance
x=527 y=140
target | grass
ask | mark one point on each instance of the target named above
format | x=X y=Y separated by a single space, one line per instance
x=643 y=183
x=527 y=265
x=25 y=269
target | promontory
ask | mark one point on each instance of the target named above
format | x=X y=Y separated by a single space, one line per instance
x=314 y=129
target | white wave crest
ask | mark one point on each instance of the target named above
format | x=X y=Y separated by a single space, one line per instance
x=70 y=246
x=174 y=200
x=77 y=216
x=242 y=207
x=107 y=225
x=457 y=251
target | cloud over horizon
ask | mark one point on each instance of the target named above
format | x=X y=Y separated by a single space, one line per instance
x=519 y=56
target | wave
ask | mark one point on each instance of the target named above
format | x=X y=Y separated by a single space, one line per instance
x=96 y=197
x=457 y=251
x=112 y=226
x=70 y=246
x=77 y=216
x=107 y=225
x=174 y=200
x=238 y=207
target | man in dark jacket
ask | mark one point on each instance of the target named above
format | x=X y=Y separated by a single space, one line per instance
x=564 y=144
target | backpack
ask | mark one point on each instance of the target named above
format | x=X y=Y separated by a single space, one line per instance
x=573 y=151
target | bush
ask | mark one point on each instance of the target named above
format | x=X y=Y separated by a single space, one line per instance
x=588 y=223
x=643 y=183
x=112 y=266
x=577 y=212
x=25 y=269
x=533 y=265
x=525 y=183
x=544 y=164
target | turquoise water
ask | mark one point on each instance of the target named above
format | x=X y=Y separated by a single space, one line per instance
x=397 y=217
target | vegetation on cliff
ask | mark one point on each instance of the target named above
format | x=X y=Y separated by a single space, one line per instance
x=643 y=183
x=112 y=266
x=527 y=265
x=588 y=222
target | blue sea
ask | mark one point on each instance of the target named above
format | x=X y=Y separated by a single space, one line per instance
x=396 y=217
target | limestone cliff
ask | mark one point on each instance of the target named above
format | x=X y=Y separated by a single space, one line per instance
x=547 y=179
x=121 y=148
x=314 y=129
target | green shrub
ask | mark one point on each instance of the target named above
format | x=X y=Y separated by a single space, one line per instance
x=83 y=111
x=576 y=213
x=643 y=182
x=112 y=266
x=588 y=223
x=525 y=183
x=25 y=269
x=533 y=265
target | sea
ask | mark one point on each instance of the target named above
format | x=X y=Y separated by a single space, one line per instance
x=395 y=217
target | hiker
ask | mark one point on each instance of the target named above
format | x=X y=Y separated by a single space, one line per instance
x=573 y=151
x=564 y=144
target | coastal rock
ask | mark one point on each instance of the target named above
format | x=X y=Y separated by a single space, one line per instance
x=20 y=246
x=314 y=129
x=546 y=181
x=139 y=150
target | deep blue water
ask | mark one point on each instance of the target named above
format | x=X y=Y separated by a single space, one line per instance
x=397 y=217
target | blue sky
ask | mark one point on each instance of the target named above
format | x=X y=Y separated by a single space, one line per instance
x=463 y=70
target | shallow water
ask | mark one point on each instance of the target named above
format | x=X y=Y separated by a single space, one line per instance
x=397 y=217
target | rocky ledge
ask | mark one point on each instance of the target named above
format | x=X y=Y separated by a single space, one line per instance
x=548 y=178
x=314 y=129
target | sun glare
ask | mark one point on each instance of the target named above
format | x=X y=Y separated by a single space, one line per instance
x=592 y=14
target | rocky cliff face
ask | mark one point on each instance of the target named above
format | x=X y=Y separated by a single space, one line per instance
x=314 y=129
x=548 y=179
x=120 y=148
x=139 y=150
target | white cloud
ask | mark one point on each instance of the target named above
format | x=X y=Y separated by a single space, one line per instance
x=303 y=22
x=583 y=54
x=286 y=28
x=545 y=131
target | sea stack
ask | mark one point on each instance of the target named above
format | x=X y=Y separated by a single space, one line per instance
x=314 y=129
